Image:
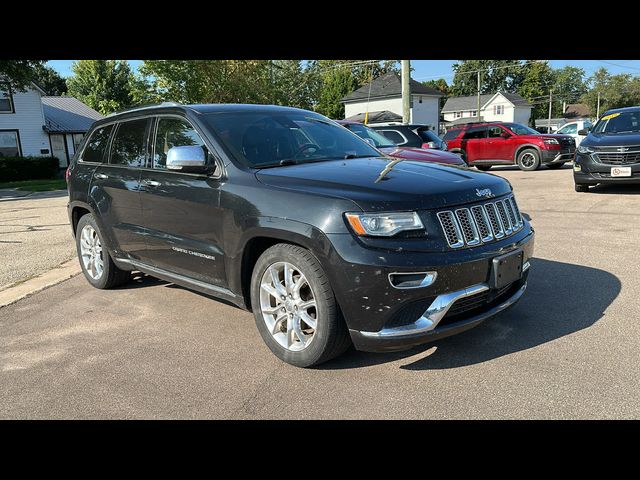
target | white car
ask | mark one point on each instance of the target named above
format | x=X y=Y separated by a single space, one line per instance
x=572 y=129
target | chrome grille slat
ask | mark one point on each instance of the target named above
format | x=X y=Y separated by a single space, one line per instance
x=482 y=223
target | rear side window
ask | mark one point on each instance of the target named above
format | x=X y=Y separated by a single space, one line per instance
x=395 y=136
x=128 y=147
x=451 y=134
x=97 y=145
x=173 y=132
x=478 y=132
x=427 y=135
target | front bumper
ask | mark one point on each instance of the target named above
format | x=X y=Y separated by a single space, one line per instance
x=589 y=171
x=381 y=317
x=549 y=157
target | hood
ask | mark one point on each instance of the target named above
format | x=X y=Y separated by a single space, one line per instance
x=423 y=155
x=409 y=185
x=599 y=140
x=542 y=136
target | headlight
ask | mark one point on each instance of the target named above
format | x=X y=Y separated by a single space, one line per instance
x=585 y=150
x=383 y=224
x=551 y=141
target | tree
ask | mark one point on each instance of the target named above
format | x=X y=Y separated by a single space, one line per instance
x=440 y=85
x=49 y=80
x=18 y=73
x=496 y=75
x=535 y=81
x=104 y=85
x=616 y=91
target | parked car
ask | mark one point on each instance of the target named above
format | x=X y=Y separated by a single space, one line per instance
x=386 y=146
x=610 y=152
x=573 y=129
x=415 y=136
x=496 y=143
x=284 y=212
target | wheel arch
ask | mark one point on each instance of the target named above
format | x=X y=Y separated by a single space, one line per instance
x=526 y=146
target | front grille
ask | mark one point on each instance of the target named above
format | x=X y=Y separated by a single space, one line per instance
x=619 y=158
x=477 y=302
x=481 y=223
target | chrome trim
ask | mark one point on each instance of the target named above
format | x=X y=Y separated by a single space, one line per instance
x=432 y=316
x=485 y=220
x=452 y=218
x=429 y=278
x=465 y=212
x=525 y=266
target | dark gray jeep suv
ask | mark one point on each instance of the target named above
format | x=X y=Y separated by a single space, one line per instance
x=285 y=212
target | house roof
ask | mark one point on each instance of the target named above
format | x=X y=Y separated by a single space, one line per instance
x=577 y=110
x=461 y=121
x=457 y=104
x=68 y=114
x=389 y=85
x=377 y=117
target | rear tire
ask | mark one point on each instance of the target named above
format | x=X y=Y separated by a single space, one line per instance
x=528 y=160
x=581 y=188
x=555 y=166
x=283 y=328
x=484 y=168
x=95 y=261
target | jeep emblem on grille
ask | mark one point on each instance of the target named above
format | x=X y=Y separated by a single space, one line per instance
x=622 y=149
x=485 y=192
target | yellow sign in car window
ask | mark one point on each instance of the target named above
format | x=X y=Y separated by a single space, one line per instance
x=609 y=117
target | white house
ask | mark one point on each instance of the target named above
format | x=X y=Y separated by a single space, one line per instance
x=385 y=94
x=33 y=124
x=501 y=106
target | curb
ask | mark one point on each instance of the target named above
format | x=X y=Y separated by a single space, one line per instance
x=58 y=274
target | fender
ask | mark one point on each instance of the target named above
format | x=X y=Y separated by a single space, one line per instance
x=522 y=147
x=106 y=233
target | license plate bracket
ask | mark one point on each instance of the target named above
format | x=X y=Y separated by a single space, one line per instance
x=506 y=269
x=620 y=171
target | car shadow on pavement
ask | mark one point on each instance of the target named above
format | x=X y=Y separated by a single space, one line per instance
x=515 y=168
x=621 y=189
x=561 y=299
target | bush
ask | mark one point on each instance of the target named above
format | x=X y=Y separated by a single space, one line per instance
x=28 y=168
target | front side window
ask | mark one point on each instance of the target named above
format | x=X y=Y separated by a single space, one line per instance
x=6 y=101
x=9 y=144
x=270 y=139
x=495 y=132
x=475 y=133
x=365 y=132
x=128 y=146
x=97 y=145
x=396 y=137
x=451 y=134
x=173 y=132
x=520 y=129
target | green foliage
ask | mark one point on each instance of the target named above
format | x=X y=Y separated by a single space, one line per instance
x=533 y=84
x=49 y=80
x=616 y=91
x=18 y=73
x=496 y=75
x=28 y=168
x=104 y=85
x=442 y=86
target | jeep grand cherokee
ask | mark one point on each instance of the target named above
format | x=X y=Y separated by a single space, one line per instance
x=284 y=212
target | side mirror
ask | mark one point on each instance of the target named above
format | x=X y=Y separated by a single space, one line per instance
x=189 y=158
x=584 y=131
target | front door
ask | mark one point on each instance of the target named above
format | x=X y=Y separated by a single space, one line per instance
x=473 y=143
x=59 y=150
x=115 y=188
x=181 y=211
x=499 y=147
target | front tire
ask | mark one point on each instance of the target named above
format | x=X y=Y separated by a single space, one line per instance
x=294 y=307
x=528 y=160
x=484 y=168
x=95 y=261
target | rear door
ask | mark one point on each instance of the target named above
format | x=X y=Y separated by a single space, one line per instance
x=474 y=143
x=181 y=211
x=115 y=187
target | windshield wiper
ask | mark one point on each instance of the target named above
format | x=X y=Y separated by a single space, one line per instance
x=349 y=156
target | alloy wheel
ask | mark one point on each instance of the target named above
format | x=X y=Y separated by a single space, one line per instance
x=91 y=252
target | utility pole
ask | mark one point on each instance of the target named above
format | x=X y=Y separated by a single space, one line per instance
x=406 y=92
x=598 y=110
x=478 y=106
x=550 y=103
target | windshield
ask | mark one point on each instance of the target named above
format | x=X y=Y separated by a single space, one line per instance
x=270 y=139
x=520 y=129
x=615 y=123
x=365 y=132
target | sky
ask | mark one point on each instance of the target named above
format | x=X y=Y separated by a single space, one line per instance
x=434 y=69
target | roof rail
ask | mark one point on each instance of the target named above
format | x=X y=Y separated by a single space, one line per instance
x=144 y=107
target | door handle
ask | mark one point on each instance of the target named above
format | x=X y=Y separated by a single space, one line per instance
x=151 y=183
x=101 y=176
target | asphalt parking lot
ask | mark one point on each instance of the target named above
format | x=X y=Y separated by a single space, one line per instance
x=569 y=349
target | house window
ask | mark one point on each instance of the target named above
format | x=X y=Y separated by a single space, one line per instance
x=6 y=101
x=9 y=143
x=474 y=113
x=77 y=140
x=458 y=114
x=498 y=109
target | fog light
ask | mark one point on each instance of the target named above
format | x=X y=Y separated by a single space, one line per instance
x=577 y=167
x=412 y=280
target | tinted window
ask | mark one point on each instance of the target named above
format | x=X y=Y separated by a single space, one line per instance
x=451 y=134
x=428 y=135
x=619 y=122
x=569 y=129
x=272 y=138
x=520 y=129
x=173 y=132
x=495 y=132
x=369 y=133
x=477 y=132
x=394 y=136
x=97 y=145
x=128 y=143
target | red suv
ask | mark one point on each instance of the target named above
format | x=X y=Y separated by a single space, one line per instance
x=499 y=143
